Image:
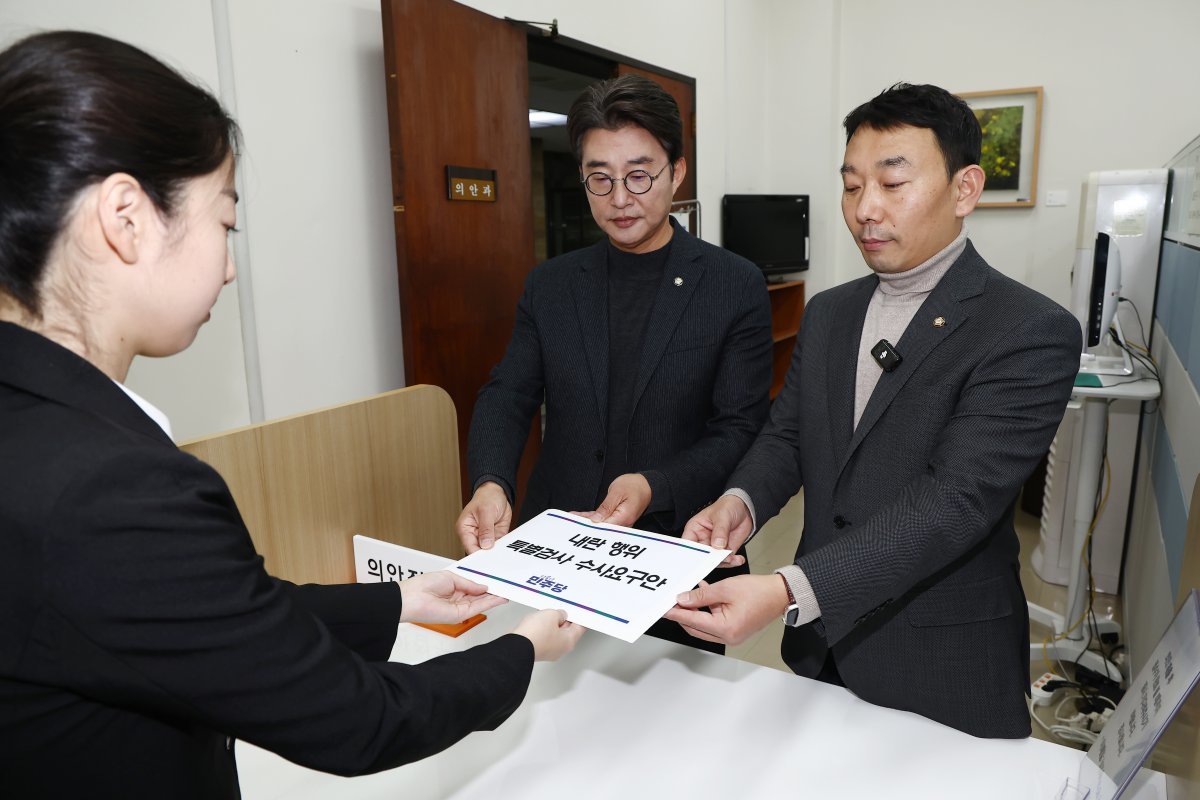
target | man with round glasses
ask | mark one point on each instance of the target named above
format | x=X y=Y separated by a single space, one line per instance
x=651 y=350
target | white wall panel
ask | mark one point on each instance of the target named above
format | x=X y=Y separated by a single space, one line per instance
x=203 y=389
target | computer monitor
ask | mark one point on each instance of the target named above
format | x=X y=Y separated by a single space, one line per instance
x=769 y=229
x=1105 y=288
x=1101 y=353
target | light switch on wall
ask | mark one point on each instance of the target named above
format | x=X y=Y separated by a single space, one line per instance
x=1056 y=198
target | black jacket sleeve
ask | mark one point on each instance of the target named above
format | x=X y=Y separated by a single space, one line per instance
x=158 y=602
x=361 y=616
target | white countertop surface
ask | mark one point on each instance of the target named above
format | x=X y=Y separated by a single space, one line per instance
x=658 y=720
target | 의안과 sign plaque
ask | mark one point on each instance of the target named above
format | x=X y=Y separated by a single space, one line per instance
x=471 y=184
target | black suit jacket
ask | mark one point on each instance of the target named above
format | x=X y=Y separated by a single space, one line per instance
x=700 y=397
x=139 y=633
x=908 y=518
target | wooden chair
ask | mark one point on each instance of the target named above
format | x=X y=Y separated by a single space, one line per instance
x=386 y=467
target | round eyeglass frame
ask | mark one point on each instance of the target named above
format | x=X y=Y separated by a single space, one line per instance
x=612 y=182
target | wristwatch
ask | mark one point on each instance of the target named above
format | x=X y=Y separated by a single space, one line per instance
x=792 y=615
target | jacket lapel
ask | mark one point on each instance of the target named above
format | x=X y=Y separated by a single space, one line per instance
x=681 y=275
x=964 y=279
x=37 y=365
x=591 y=309
x=843 y=362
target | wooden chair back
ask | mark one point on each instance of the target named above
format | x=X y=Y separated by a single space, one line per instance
x=386 y=467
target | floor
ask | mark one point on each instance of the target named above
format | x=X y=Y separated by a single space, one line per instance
x=776 y=543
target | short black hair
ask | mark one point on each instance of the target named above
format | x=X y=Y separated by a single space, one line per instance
x=627 y=100
x=952 y=121
x=75 y=108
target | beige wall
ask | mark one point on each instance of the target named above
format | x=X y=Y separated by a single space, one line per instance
x=204 y=388
x=774 y=78
x=1115 y=77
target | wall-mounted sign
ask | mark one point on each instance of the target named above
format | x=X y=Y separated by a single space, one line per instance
x=469 y=183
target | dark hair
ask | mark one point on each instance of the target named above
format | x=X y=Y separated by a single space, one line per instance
x=924 y=106
x=627 y=100
x=76 y=108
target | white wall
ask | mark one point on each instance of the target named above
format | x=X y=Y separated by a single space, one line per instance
x=804 y=140
x=774 y=78
x=1119 y=94
x=312 y=102
x=203 y=389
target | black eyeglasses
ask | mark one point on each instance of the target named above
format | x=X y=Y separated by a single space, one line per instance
x=636 y=182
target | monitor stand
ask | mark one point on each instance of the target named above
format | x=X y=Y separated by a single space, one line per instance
x=1107 y=358
x=1073 y=631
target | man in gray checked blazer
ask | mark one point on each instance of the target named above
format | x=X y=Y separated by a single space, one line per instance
x=651 y=350
x=917 y=402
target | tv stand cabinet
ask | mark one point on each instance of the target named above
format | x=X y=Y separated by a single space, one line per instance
x=787 y=309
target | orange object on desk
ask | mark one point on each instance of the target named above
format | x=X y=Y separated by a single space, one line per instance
x=453 y=630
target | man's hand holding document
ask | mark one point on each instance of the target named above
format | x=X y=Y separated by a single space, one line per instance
x=608 y=578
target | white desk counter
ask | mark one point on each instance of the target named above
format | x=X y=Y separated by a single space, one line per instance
x=659 y=720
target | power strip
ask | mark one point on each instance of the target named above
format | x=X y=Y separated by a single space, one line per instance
x=1092 y=722
x=1037 y=690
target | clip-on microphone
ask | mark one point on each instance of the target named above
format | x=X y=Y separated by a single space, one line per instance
x=885 y=355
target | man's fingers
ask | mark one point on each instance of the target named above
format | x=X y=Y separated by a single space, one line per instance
x=694 y=622
x=720 y=536
x=606 y=509
x=696 y=598
x=492 y=529
x=686 y=616
x=485 y=519
x=485 y=532
x=699 y=634
x=733 y=560
x=698 y=529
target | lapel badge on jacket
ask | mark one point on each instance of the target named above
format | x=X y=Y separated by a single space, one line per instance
x=678 y=281
x=939 y=322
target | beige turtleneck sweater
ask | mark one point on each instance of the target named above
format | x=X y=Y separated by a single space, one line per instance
x=892 y=307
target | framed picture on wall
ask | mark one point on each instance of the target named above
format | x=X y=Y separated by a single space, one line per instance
x=1011 y=120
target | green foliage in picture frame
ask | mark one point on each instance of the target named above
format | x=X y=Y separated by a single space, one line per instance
x=1011 y=122
x=1000 y=156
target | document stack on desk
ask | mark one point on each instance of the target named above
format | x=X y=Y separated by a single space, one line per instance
x=608 y=578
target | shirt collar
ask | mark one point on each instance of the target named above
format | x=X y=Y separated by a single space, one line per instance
x=924 y=277
x=152 y=412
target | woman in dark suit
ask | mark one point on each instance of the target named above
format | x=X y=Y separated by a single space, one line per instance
x=139 y=634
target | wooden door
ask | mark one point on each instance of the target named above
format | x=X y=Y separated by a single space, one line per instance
x=685 y=95
x=457 y=90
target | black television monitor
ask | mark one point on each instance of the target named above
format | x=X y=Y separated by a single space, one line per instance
x=769 y=229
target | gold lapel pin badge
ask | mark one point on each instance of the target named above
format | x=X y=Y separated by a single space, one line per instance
x=939 y=322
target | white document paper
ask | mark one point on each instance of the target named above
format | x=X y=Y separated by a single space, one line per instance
x=608 y=578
